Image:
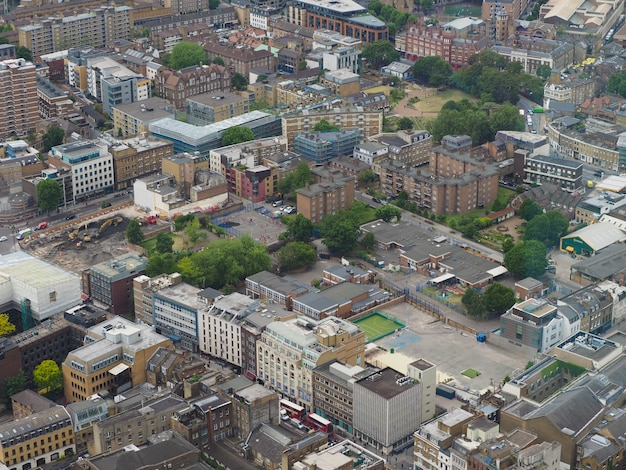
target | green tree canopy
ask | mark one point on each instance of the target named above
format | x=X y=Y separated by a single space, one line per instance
x=388 y=212
x=324 y=126
x=543 y=71
x=296 y=179
x=547 y=228
x=529 y=209
x=6 y=327
x=498 y=298
x=49 y=194
x=164 y=243
x=47 y=375
x=12 y=385
x=380 y=53
x=405 y=124
x=299 y=228
x=186 y=54
x=617 y=83
x=296 y=255
x=218 y=60
x=474 y=303
x=432 y=71
x=237 y=135
x=23 y=53
x=367 y=176
x=239 y=82
x=161 y=263
x=527 y=258
x=134 y=234
x=214 y=4
x=54 y=136
x=368 y=241
x=340 y=231
x=261 y=77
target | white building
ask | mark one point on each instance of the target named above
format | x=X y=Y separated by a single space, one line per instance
x=426 y=374
x=42 y=288
x=342 y=58
x=90 y=163
x=369 y=152
x=176 y=309
x=618 y=293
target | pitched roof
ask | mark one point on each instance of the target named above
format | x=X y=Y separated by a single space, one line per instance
x=599 y=235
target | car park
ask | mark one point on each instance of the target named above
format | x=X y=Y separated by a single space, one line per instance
x=277 y=203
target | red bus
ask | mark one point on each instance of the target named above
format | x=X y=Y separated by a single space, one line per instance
x=293 y=410
x=315 y=421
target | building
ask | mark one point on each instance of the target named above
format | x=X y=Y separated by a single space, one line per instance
x=176 y=314
x=513 y=9
x=605 y=208
x=343 y=455
x=202 y=139
x=18 y=93
x=566 y=174
x=176 y=86
x=407 y=147
x=575 y=91
x=592 y=307
x=209 y=108
x=344 y=57
x=454 y=42
x=171 y=367
x=90 y=164
x=341 y=82
x=339 y=273
x=53 y=103
x=386 y=410
x=138 y=157
x=135 y=426
x=333 y=392
x=533 y=323
x=426 y=375
x=592 y=238
x=532 y=53
x=37 y=439
x=347 y=18
x=348 y=117
x=206 y=420
x=295 y=347
x=84 y=414
x=314 y=201
x=144 y=288
x=529 y=288
x=113 y=358
x=322 y=147
x=110 y=283
x=240 y=60
x=281 y=290
x=133 y=119
x=27 y=402
x=253 y=406
x=607 y=264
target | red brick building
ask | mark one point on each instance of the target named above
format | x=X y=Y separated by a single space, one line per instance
x=178 y=85
x=240 y=60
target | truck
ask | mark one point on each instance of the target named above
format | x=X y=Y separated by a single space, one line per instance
x=24 y=233
x=41 y=226
x=522 y=112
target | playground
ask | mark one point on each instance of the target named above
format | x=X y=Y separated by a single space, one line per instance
x=377 y=325
x=261 y=226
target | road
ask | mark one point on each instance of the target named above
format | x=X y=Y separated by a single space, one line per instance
x=11 y=245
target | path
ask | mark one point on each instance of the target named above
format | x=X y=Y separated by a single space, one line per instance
x=403 y=109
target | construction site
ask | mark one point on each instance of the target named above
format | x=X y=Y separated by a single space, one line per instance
x=79 y=244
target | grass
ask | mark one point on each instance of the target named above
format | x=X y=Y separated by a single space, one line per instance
x=377 y=325
x=573 y=369
x=471 y=373
x=504 y=196
x=453 y=220
x=368 y=215
x=377 y=89
x=179 y=243
x=463 y=10
x=433 y=104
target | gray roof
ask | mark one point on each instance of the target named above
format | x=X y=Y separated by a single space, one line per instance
x=529 y=283
x=270 y=441
x=606 y=263
x=599 y=235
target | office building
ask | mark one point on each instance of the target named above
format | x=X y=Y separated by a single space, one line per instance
x=138 y=157
x=18 y=94
x=281 y=290
x=566 y=174
x=253 y=406
x=113 y=358
x=213 y=107
x=84 y=415
x=111 y=283
x=387 y=410
x=144 y=288
x=133 y=119
x=533 y=323
x=90 y=164
x=53 y=103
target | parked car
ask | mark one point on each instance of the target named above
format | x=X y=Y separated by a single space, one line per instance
x=70 y=217
x=3 y=239
x=376 y=200
x=277 y=203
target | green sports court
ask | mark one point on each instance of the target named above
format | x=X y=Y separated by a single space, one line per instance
x=377 y=325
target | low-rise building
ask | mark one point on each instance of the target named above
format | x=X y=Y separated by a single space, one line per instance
x=529 y=288
x=53 y=103
x=322 y=147
x=84 y=415
x=205 y=420
x=532 y=323
x=176 y=86
x=144 y=288
x=281 y=290
x=592 y=238
x=566 y=174
x=137 y=157
x=168 y=366
x=342 y=82
x=133 y=119
x=216 y=106
x=253 y=406
x=607 y=264
x=343 y=455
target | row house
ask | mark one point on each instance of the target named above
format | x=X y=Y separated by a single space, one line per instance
x=240 y=60
x=178 y=85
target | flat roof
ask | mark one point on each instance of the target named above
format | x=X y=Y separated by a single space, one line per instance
x=341 y=6
x=387 y=383
x=147 y=110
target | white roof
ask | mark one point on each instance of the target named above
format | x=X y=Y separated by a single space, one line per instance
x=443 y=277
x=615 y=183
x=498 y=271
x=599 y=235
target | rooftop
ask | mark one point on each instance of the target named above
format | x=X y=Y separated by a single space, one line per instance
x=118 y=268
x=254 y=392
x=599 y=235
x=387 y=383
x=217 y=98
x=605 y=263
x=147 y=110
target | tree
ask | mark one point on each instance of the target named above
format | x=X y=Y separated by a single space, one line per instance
x=388 y=212
x=340 y=231
x=236 y=135
x=164 y=243
x=296 y=179
x=498 y=298
x=186 y=54
x=617 y=83
x=368 y=241
x=474 y=303
x=527 y=258
x=54 y=136
x=12 y=385
x=380 y=53
x=405 y=124
x=239 y=82
x=47 y=375
x=296 y=255
x=214 y=4
x=432 y=71
x=324 y=126
x=6 y=326
x=543 y=71
x=261 y=77
x=23 y=53
x=218 y=60
x=302 y=65
x=367 y=176
x=161 y=263
x=507 y=244
x=192 y=230
x=529 y=209
x=134 y=234
x=299 y=228
x=426 y=5
x=49 y=194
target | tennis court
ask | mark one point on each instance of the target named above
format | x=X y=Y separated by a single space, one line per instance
x=377 y=325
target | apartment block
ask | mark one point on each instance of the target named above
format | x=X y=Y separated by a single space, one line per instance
x=113 y=358
x=253 y=406
x=18 y=94
x=289 y=350
x=90 y=164
x=386 y=409
x=176 y=86
x=333 y=392
x=136 y=426
x=38 y=439
x=322 y=147
x=347 y=117
x=281 y=290
x=543 y=169
x=53 y=103
x=314 y=201
x=407 y=147
x=138 y=157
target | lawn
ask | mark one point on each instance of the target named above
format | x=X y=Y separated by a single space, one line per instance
x=504 y=196
x=434 y=103
x=463 y=10
x=377 y=325
x=180 y=243
x=471 y=373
